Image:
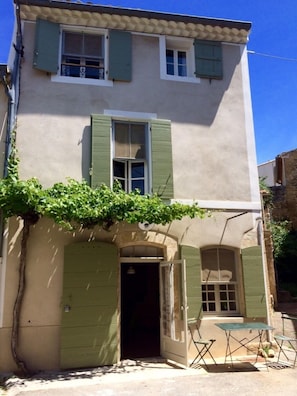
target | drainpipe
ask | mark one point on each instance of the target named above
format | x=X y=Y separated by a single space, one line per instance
x=11 y=82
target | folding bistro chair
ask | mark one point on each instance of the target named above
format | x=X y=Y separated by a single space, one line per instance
x=287 y=342
x=202 y=345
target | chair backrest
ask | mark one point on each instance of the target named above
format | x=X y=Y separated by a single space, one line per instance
x=194 y=328
x=289 y=323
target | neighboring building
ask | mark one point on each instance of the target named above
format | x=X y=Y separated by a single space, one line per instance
x=280 y=176
x=160 y=102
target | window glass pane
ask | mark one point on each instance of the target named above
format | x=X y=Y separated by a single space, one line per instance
x=182 y=63
x=119 y=169
x=69 y=67
x=232 y=295
x=212 y=307
x=93 y=45
x=73 y=43
x=138 y=185
x=170 y=61
x=137 y=170
x=223 y=296
x=227 y=265
x=232 y=306
x=210 y=271
x=211 y=296
x=121 y=136
x=137 y=141
x=92 y=69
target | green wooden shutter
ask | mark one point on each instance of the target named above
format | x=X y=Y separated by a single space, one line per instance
x=89 y=306
x=193 y=275
x=100 y=167
x=253 y=279
x=208 y=59
x=162 y=171
x=46 y=51
x=120 y=56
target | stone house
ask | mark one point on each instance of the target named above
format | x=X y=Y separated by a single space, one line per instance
x=281 y=177
x=160 y=102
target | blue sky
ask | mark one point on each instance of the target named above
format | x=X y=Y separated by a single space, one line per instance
x=273 y=65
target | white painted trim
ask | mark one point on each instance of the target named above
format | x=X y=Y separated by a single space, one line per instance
x=130 y=115
x=223 y=205
x=82 y=81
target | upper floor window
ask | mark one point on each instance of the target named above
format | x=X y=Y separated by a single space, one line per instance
x=89 y=56
x=138 y=152
x=130 y=153
x=177 y=59
x=188 y=60
x=82 y=55
x=176 y=62
x=219 y=281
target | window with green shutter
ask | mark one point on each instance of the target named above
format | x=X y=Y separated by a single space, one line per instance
x=81 y=54
x=208 y=59
x=121 y=151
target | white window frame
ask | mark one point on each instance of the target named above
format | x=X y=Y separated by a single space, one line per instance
x=217 y=284
x=178 y=44
x=77 y=80
x=129 y=161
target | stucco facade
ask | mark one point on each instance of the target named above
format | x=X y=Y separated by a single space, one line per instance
x=213 y=162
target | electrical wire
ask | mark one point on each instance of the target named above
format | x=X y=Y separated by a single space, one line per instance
x=272 y=56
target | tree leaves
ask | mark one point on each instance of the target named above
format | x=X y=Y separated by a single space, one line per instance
x=75 y=203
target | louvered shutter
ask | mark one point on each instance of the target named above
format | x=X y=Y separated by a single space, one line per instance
x=208 y=59
x=100 y=167
x=46 y=50
x=120 y=56
x=162 y=171
x=193 y=271
x=254 y=286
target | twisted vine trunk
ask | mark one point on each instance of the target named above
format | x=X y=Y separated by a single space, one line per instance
x=19 y=300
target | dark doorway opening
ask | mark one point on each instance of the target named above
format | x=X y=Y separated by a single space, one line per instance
x=140 y=310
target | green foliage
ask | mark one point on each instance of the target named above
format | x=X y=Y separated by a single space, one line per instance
x=279 y=231
x=265 y=192
x=76 y=203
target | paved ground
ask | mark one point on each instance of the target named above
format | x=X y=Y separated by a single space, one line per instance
x=155 y=377
x=147 y=378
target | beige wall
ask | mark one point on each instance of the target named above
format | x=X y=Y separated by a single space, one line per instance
x=209 y=128
x=41 y=311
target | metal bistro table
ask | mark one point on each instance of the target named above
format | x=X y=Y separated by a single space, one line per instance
x=255 y=329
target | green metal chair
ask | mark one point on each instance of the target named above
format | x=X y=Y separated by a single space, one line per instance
x=202 y=345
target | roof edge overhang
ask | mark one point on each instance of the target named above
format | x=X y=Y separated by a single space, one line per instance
x=93 y=15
